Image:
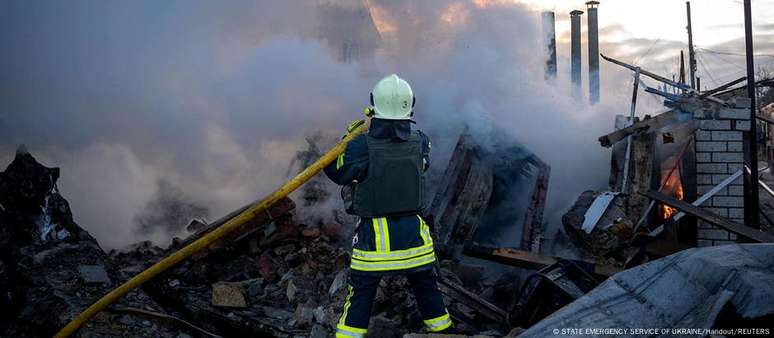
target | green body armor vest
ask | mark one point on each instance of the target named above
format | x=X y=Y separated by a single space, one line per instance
x=395 y=182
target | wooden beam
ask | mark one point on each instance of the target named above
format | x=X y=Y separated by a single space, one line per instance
x=529 y=260
x=707 y=216
x=471 y=300
x=282 y=207
x=648 y=74
x=646 y=125
x=765 y=119
x=723 y=87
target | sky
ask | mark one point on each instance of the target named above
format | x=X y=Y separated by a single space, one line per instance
x=656 y=30
x=205 y=104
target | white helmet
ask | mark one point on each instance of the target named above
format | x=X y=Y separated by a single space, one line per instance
x=392 y=99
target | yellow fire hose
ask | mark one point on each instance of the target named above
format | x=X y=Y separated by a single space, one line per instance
x=231 y=225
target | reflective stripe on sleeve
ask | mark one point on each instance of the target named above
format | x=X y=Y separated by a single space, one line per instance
x=340 y=161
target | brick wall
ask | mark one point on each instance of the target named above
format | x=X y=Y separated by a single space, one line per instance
x=719 y=154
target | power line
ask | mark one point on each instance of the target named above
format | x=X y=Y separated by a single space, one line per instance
x=703 y=66
x=726 y=60
x=734 y=54
x=647 y=52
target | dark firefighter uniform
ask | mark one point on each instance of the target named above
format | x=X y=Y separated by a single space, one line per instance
x=383 y=177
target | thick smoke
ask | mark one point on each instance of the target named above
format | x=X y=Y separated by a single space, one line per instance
x=168 y=210
x=218 y=97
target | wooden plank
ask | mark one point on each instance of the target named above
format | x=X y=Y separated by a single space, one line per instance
x=722 y=88
x=458 y=293
x=765 y=119
x=529 y=260
x=463 y=193
x=277 y=210
x=646 y=125
x=707 y=216
x=648 y=74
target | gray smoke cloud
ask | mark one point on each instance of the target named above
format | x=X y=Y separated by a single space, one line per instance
x=217 y=97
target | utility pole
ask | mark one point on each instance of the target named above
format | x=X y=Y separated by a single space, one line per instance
x=751 y=200
x=691 y=55
x=682 y=67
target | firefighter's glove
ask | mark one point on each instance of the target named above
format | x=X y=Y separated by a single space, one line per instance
x=354 y=125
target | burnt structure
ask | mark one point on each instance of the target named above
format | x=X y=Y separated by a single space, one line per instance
x=499 y=190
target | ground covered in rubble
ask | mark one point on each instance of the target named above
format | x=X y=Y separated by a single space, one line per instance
x=282 y=278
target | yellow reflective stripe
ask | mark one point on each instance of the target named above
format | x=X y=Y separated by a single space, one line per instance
x=381 y=234
x=424 y=231
x=438 y=323
x=378 y=235
x=340 y=161
x=392 y=265
x=395 y=254
x=383 y=224
x=349 y=331
x=343 y=317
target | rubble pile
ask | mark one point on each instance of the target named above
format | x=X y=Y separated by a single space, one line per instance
x=50 y=268
x=287 y=284
x=274 y=277
x=610 y=239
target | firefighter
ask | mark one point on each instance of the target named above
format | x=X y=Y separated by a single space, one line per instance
x=382 y=174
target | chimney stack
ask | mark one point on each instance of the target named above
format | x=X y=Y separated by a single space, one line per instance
x=575 y=64
x=549 y=40
x=593 y=51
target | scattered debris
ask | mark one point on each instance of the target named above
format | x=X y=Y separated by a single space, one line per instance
x=548 y=290
x=228 y=295
x=94 y=274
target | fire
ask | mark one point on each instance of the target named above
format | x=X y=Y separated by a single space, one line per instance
x=672 y=185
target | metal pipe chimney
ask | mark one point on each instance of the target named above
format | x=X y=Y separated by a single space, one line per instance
x=575 y=58
x=549 y=41
x=593 y=51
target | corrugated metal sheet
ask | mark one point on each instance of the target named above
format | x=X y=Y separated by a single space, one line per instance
x=684 y=290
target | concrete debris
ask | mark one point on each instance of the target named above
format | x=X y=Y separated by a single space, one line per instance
x=94 y=274
x=228 y=295
x=46 y=283
x=291 y=291
x=338 y=282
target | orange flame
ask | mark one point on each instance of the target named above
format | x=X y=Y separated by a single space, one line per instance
x=673 y=186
